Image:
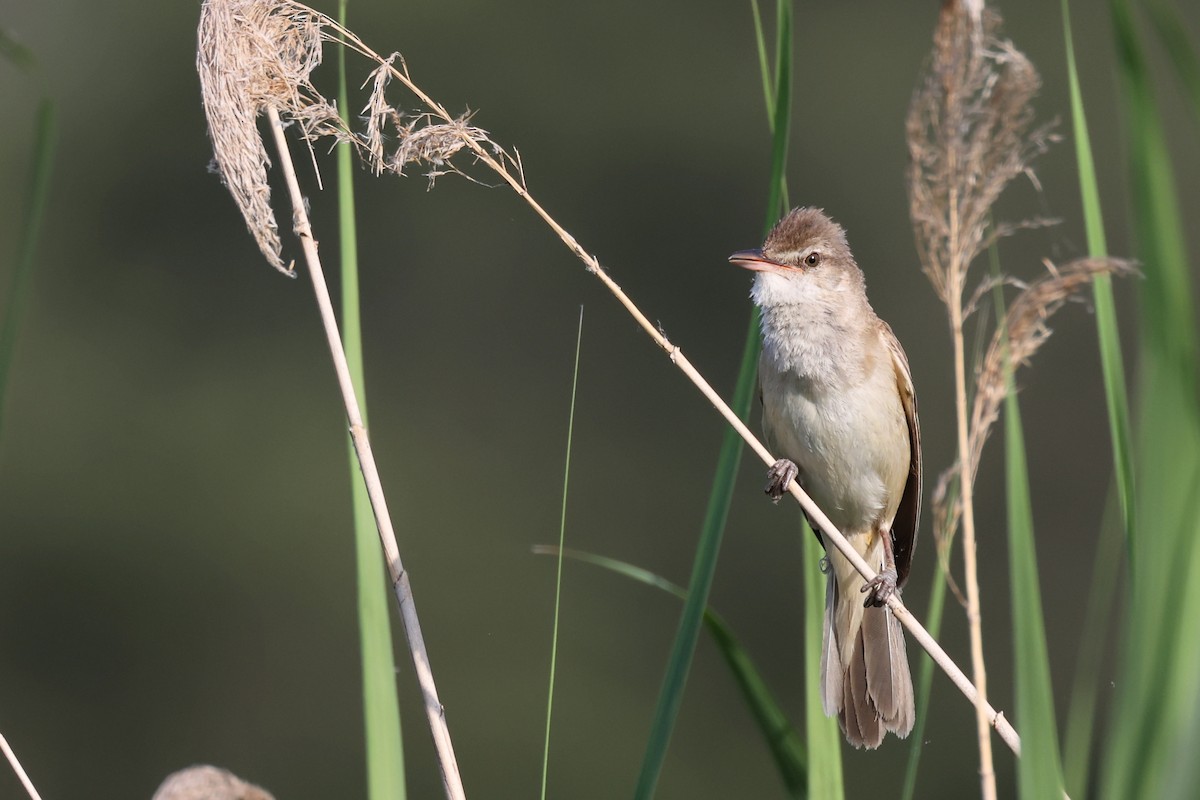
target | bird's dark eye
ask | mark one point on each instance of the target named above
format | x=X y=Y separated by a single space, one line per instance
x=812 y=259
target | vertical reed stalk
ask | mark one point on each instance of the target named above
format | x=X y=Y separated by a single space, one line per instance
x=966 y=483
x=987 y=770
x=969 y=134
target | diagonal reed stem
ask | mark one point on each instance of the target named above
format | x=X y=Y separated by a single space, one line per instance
x=484 y=156
x=451 y=780
x=18 y=769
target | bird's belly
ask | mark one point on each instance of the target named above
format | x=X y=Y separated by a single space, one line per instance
x=844 y=444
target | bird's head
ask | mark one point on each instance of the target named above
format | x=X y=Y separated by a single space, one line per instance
x=805 y=257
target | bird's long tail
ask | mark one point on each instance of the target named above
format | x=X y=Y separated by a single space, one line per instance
x=865 y=679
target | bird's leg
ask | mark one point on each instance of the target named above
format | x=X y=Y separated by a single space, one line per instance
x=781 y=473
x=883 y=585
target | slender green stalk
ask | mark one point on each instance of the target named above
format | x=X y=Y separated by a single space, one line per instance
x=1039 y=771
x=939 y=581
x=820 y=732
x=381 y=705
x=764 y=63
x=1081 y=712
x=705 y=563
x=1167 y=299
x=1172 y=32
x=924 y=685
x=1107 y=333
x=785 y=743
x=45 y=137
x=1097 y=624
x=562 y=534
x=777 y=97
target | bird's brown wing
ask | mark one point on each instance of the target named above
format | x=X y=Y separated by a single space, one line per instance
x=904 y=526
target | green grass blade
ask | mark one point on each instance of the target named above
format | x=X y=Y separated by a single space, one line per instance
x=924 y=685
x=778 y=118
x=1039 y=771
x=45 y=138
x=1173 y=34
x=562 y=533
x=381 y=705
x=1151 y=739
x=1097 y=622
x=705 y=561
x=786 y=747
x=1111 y=361
x=764 y=63
x=1169 y=327
x=1081 y=712
x=1182 y=783
x=820 y=732
x=781 y=114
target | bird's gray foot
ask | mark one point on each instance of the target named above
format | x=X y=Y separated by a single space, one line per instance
x=781 y=473
x=880 y=588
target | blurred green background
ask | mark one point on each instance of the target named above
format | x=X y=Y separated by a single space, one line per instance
x=176 y=560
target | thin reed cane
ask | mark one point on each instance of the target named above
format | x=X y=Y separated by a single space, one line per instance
x=18 y=769
x=994 y=718
x=284 y=36
x=487 y=157
x=451 y=779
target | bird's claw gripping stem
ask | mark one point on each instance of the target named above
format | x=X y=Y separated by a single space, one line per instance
x=779 y=476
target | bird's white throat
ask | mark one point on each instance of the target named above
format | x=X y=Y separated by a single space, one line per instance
x=811 y=329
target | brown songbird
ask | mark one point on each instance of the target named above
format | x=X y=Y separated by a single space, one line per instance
x=840 y=413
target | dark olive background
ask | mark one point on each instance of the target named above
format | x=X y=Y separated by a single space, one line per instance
x=176 y=564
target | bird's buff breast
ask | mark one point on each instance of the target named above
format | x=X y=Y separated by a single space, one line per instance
x=844 y=442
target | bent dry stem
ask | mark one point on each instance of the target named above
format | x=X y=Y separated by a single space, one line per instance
x=943 y=660
x=433 y=708
x=482 y=154
x=317 y=118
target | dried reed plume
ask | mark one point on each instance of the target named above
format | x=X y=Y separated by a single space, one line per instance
x=204 y=782
x=970 y=132
x=419 y=138
x=1013 y=344
x=255 y=55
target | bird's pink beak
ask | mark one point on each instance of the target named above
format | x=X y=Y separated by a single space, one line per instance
x=755 y=260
